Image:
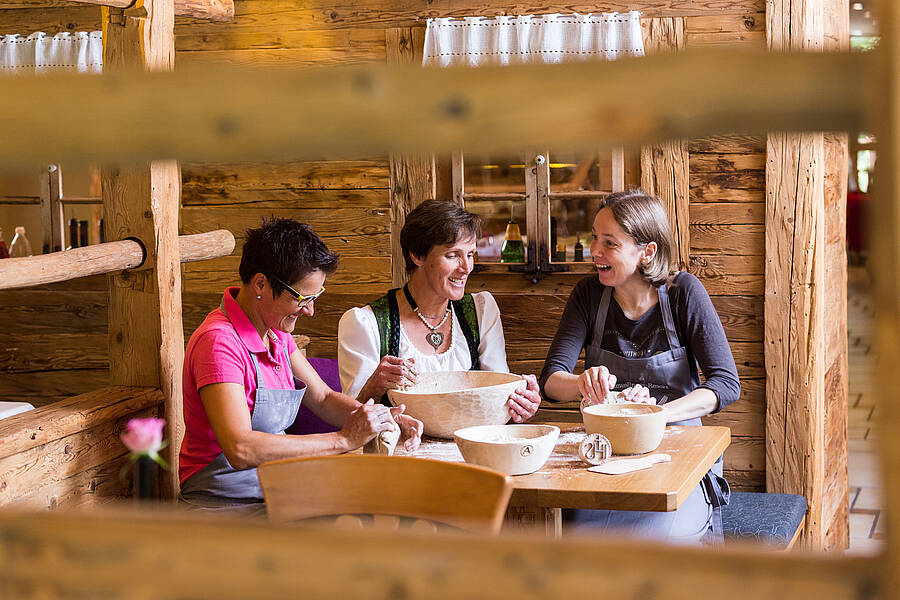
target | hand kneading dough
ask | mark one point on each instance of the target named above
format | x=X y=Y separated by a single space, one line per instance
x=383 y=443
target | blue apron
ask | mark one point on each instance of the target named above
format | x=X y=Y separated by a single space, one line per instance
x=668 y=376
x=219 y=486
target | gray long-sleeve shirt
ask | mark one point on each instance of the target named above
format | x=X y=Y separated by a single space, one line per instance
x=696 y=321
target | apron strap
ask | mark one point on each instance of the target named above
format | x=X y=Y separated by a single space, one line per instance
x=259 y=380
x=718 y=493
x=668 y=321
x=600 y=322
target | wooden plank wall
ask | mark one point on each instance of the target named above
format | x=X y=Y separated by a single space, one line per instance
x=348 y=202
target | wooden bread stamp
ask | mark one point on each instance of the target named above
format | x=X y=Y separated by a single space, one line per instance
x=594 y=449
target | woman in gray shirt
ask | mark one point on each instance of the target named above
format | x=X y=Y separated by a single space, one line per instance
x=645 y=329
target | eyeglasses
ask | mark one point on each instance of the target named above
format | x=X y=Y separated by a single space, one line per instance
x=301 y=299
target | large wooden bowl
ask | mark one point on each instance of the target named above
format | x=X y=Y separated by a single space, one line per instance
x=631 y=428
x=510 y=449
x=449 y=400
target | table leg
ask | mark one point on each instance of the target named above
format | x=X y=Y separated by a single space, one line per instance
x=534 y=519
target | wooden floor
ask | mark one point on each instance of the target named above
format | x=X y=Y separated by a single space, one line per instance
x=867 y=529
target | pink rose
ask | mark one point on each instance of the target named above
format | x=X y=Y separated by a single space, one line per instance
x=143 y=436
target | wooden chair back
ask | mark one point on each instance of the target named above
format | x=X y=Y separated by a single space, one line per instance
x=433 y=492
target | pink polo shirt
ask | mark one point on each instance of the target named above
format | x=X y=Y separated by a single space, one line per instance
x=218 y=352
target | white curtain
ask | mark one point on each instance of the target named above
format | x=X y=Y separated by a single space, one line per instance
x=80 y=52
x=475 y=41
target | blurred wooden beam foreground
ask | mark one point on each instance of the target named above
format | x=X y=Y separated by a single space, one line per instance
x=166 y=554
x=211 y=10
x=373 y=110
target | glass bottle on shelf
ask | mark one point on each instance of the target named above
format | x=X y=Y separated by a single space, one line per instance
x=83 y=234
x=4 y=253
x=513 y=249
x=20 y=246
x=102 y=234
x=579 y=250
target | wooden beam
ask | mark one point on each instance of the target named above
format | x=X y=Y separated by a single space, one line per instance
x=146 y=337
x=56 y=421
x=885 y=257
x=232 y=558
x=210 y=10
x=412 y=175
x=664 y=166
x=795 y=339
x=98 y=259
x=365 y=111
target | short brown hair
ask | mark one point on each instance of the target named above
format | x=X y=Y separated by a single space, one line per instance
x=435 y=223
x=286 y=249
x=644 y=218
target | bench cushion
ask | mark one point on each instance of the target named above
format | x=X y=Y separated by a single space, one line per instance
x=307 y=422
x=771 y=519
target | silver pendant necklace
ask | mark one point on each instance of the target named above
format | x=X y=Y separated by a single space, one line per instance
x=435 y=338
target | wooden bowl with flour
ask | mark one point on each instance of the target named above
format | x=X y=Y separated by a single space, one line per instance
x=449 y=400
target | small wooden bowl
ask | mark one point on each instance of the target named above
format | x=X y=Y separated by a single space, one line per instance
x=449 y=400
x=631 y=428
x=510 y=449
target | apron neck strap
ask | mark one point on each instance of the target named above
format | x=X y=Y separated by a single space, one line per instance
x=664 y=306
x=259 y=379
x=600 y=323
x=668 y=321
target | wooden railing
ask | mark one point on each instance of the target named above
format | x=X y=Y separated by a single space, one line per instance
x=104 y=258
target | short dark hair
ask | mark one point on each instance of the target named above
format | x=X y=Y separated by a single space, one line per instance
x=644 y=218
x=435 y=223
x=287 y=249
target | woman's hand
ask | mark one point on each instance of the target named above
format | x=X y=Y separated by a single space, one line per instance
x=595 y=384
x=390 y=374
x=366 y=422
x=637 y=393
x=410 y=428
x=523 y=404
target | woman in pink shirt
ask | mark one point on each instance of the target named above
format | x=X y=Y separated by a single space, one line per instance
x=244 y=377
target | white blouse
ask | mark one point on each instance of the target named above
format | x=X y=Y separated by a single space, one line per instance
x=359 y=347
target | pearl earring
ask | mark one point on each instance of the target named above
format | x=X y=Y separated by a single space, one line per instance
x=258 y=297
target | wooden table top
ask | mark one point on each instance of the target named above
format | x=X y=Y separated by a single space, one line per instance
x=565 y=482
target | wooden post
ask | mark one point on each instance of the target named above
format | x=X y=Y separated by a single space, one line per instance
x=412 y=175
x=618 y=170
x=798 y=348
x=52 y=218
x=457 y=168
x=836 y=503
x=665 y=166
x=885 y=257
x=142 y=201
